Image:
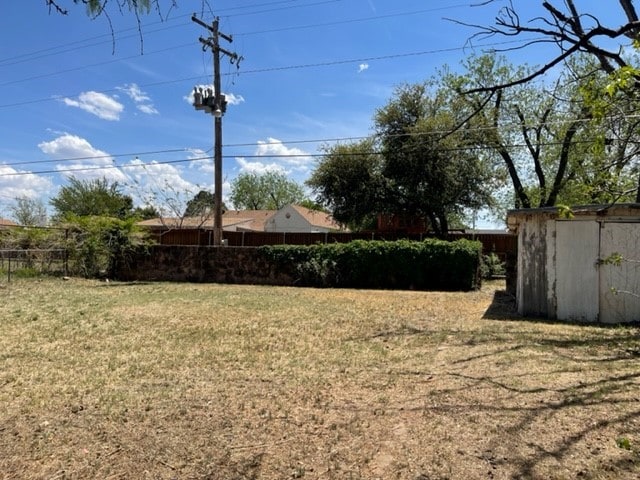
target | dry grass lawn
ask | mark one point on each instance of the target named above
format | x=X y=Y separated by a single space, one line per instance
x=184 y=381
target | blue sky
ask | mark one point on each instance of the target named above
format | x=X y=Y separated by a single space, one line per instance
x=75 y=100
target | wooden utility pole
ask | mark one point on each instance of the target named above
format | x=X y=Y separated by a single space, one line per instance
x=215 y=103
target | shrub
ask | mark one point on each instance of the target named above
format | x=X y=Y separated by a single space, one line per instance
x=429 y=265
x=100 y=246
x=492 y=266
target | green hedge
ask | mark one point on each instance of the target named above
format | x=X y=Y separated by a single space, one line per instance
x=404 y=264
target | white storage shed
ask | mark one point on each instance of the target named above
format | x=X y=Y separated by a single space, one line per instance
x=583 y=268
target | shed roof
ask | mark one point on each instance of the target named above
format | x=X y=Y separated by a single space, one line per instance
x=611 y=211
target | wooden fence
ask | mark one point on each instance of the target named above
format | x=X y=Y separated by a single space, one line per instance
x=499 y=243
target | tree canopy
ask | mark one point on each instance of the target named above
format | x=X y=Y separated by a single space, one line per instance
x=266 y=191
x=431 y=169
x=348 y=182
x=415 y=165
x=97 y=197
x=557 y=142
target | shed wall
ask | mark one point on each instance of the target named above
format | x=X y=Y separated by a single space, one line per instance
x=531 y=291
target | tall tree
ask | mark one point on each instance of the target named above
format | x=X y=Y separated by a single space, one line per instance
x=200 y=205
x=97 y=197
x=431 y=169
x=146 y=213
x=266 y=191
x=549 y=139
x=348 y=181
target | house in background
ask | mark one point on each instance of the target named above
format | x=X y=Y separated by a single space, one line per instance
x=7 y=223
x=295 y=218
x=401 y=223
x=292 y=218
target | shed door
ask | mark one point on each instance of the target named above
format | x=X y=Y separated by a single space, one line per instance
x=577 y=285
x=620 y=284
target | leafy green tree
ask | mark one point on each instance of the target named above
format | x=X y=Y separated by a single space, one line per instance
x=29 y=211
x=201 y=205
x=348 y=181
x=548 y=140
x=97 y=197
x=431 y=169
x=100 y=245
x=417 y=164
x=146 y=213
x=267 y=191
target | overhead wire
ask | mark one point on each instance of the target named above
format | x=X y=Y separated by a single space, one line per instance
x=154 y=163
x=38 y=54
x=327 y=140
x=254 y=71
x=107 y=62
x=267 y=70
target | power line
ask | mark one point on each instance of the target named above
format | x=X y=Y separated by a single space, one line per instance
x=103 y=167
x=270 y=156
x=270 y=69
x=318 y=140
x=96 y=157
x=107 y=62
x=349 y=21
x=108 y=38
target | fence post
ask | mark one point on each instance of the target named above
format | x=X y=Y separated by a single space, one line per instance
x=9 y=271
x=66 y=252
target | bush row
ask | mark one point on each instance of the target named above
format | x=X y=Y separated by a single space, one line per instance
x=428 y=265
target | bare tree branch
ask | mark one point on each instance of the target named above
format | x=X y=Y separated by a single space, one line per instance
x=567 y=30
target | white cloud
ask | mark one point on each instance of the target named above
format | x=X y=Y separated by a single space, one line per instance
x=22 y=184
x=290 y=156
x=202 y=160
x=101 y=105
x=362 y=67
x=259 y=167
x=140 y=98
x=71 y=146
x=81 y=159
x=134 y=92
x=278 y=158
x=148 y=109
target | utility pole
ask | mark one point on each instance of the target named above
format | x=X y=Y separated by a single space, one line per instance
x=215 y=103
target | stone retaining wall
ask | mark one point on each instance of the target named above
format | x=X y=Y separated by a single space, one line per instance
x=241 y=265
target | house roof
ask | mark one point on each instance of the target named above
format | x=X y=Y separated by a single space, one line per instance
x=242 y=220
x=317 y=218
x=253 y=220
x=247 y=220
x=7 y=223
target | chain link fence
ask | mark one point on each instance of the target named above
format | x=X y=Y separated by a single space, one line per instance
x=33 y=251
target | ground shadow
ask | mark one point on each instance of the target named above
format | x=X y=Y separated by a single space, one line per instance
x=503 y=306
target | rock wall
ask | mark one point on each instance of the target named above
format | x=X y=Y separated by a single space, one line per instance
x=241 y=265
